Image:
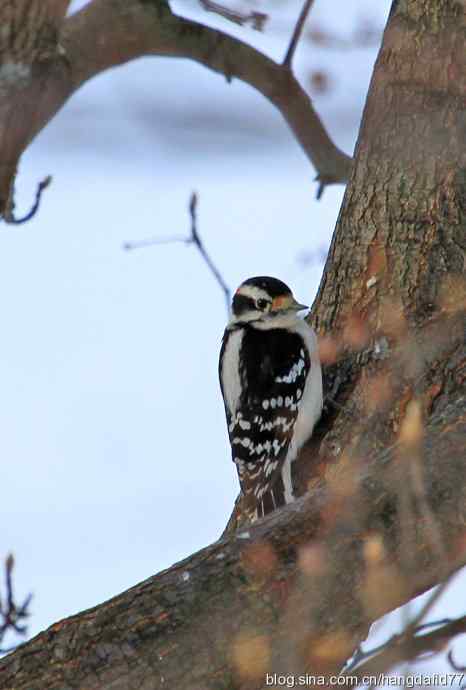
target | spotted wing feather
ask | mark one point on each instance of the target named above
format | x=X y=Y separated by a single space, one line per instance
x=273 y=372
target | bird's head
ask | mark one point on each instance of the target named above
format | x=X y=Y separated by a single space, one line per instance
x=264 y=300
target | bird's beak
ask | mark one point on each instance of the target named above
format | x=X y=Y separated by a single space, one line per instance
x=296 y=306
x=287 y=304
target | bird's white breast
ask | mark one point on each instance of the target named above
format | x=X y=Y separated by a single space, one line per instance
x=230 y=370
x=312 y=399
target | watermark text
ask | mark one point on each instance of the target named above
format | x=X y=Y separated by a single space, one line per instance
x=410 y=680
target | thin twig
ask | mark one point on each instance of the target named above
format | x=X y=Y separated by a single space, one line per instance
x=195 y=239
x=360 y=655
x=401 y=649
x=198 y=242
x=297 y=33
x=324 y=181
x=151 y=241
x=9 y=217
x=11 y=614
x=429 y=604
x=256 y=19
x=399 y=644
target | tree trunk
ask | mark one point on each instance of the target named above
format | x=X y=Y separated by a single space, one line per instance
x=385 y=515
x=397 y=259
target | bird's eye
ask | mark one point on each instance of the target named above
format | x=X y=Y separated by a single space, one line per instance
x=262 y=304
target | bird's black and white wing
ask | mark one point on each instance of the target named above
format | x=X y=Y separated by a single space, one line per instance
x=263 y=384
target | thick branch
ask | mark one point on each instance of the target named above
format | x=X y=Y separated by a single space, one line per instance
x=408 y=185
x=190 y=624
x=107 y=33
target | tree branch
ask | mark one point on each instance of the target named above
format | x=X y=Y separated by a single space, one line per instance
x=10 y=217
x=275 y=587
x=404 y=649
x=256 y=19
x=362 y=655
x=12 y=615
x=297 y=33
x=106 y=33
x=195 y=239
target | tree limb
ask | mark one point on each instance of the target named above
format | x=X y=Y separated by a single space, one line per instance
x=402 y=650
x=107 y=33
x=193 y=623
x=194 y=239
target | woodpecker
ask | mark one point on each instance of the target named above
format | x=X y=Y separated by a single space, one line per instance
x=271 y=383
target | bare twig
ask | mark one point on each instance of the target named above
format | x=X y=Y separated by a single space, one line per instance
x=361 y=655
x=297 y=33
x=405 y=649
x=323 y=182
x=195 y=239
x=401 y=646
x=9 y=216
x=256 y=19
x=429 y=604
x=12 y=615
x=198 y=242
x=151 y=241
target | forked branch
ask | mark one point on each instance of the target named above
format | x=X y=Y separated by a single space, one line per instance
x=12 y=614
x=107 y=33
x=194 y=238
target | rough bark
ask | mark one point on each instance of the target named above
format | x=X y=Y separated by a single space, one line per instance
x=397 y=259
x=297 y=591
x=291 y=594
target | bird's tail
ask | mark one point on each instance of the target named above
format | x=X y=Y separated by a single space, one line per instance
x=272 y=499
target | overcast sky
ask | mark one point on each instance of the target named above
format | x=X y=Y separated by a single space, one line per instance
x=114 y=443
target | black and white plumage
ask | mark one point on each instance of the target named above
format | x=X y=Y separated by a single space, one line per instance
x=271 y=384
